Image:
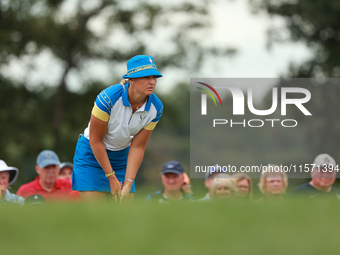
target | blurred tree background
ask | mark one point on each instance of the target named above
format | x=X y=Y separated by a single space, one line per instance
x=317 y=24
x=89 y=43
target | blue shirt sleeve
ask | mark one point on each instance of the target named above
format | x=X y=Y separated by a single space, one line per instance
x=159 y=107
x=103 y=102
x=158 y=116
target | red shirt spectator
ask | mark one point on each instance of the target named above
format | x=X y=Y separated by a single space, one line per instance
x=47 y=183
x=62 y=191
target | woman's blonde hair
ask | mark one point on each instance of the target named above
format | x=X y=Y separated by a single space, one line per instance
x=272 y=170
x=124 y=81
x=243 y=176
x=224 y=180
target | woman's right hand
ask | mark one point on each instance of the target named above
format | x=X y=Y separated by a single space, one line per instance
x=116 y=187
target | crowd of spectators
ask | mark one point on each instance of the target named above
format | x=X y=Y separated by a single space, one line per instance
x=53 y=183
x=273 y=184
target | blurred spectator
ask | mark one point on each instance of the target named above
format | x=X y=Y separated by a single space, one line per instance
x=244 y=186
x=66 y=170
x=186 y=187
x=47 y=184
x=222 y=188
x=8 y=175
x=172 y=180
x=323 y=177
x=209 y=177
x=273 y=183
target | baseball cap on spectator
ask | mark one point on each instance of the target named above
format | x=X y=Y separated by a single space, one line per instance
x=13 y=171
x=65 y=164
x=324 y=159
x=173 y=167
x=35 y=200
x=213 y=171
x=47 y=158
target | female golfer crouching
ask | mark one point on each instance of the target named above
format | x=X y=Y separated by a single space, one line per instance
x=112 y=147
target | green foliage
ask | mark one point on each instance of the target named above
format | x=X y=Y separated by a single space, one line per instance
x=316 y=23
x=27 y=124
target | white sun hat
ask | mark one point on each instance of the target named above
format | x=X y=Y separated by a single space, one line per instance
x=13 y=171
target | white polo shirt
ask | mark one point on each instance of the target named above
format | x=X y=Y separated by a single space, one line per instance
x=112 y=105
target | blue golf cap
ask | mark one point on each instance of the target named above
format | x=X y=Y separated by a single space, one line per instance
x=172 y=167
x=46 y=158
x=141 y=66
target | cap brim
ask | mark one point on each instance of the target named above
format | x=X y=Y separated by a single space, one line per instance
x=171 y=171
x=13 y=174
x=31 y=200
x=36 y=203
x=144 y=73
x=45 y=164
x=63 y=165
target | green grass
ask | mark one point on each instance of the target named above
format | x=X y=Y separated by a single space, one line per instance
x=291 y=227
